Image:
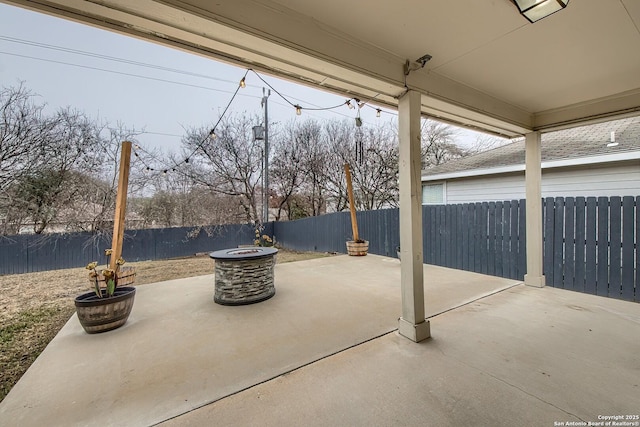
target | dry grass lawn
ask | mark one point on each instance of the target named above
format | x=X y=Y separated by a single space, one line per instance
x=35 y=306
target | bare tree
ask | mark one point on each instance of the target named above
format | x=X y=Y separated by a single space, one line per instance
x=340 y=137
x=484 y=142
x=93 y=207
x=23 y=138
x=438 y=143
x=372 y=153
x=48 y=187
x=314 y=162
x=229 y=163
x=310 y=167
x=376 y=170
x=286 y=172
x=23 y=133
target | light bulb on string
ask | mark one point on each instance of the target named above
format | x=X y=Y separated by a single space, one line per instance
x=349 y=104
x=378 y=111
x=243 y=84
x=298 y=110
x=212 y=134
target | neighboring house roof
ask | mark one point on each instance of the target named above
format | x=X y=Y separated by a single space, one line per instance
x=581 y=145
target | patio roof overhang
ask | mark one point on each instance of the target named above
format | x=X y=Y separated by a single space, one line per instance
x=490 y=69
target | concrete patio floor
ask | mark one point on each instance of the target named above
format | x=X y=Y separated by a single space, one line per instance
x=325 y=351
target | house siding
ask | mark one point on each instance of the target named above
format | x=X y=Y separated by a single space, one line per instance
x=597 y=180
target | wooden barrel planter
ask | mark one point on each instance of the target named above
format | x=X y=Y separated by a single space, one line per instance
x=107 y=313
x=357 y=248
x=244 y=275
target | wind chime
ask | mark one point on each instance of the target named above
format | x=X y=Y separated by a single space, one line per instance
x=359 y=138
x=359 y=152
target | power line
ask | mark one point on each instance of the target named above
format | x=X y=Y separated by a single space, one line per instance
x=285 y=97
x=168 y=81
x=111 y=58
x=126 y=74
x=161 y=134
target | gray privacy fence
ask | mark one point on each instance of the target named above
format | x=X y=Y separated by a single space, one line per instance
x=590 y=244
x=28 y=253
x=480 y=237
x=485 y=238
x=329 y=233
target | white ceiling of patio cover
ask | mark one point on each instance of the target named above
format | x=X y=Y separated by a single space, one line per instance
x=491 y=68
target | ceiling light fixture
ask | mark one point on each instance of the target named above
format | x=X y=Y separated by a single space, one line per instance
x=535 y=10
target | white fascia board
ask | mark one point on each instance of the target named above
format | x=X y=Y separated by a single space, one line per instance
x=607 y=158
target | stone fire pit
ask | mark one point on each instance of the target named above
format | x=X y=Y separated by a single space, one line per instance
x=244 y=275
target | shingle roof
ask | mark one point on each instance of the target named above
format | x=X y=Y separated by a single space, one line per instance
x=585 y=141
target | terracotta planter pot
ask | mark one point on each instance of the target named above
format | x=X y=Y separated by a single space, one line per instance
x=107 y=313
x=357 y=248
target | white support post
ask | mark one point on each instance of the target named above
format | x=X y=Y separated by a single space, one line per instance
x=412 y=324
x=533 y=185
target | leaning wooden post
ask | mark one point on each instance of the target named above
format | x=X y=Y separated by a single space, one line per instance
x=121 y=204
x=352 y=206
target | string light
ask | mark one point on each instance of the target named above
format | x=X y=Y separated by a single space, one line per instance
x=242 y=84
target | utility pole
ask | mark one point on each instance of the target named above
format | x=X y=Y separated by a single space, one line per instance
x=265 y=199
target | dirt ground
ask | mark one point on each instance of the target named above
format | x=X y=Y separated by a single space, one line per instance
x=35 y=306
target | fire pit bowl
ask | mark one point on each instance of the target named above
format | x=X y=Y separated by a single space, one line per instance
x=244 y=275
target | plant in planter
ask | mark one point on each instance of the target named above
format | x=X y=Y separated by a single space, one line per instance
x=262 y=239
x=108 y=306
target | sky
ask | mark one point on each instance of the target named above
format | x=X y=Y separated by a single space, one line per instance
x=64 y=63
